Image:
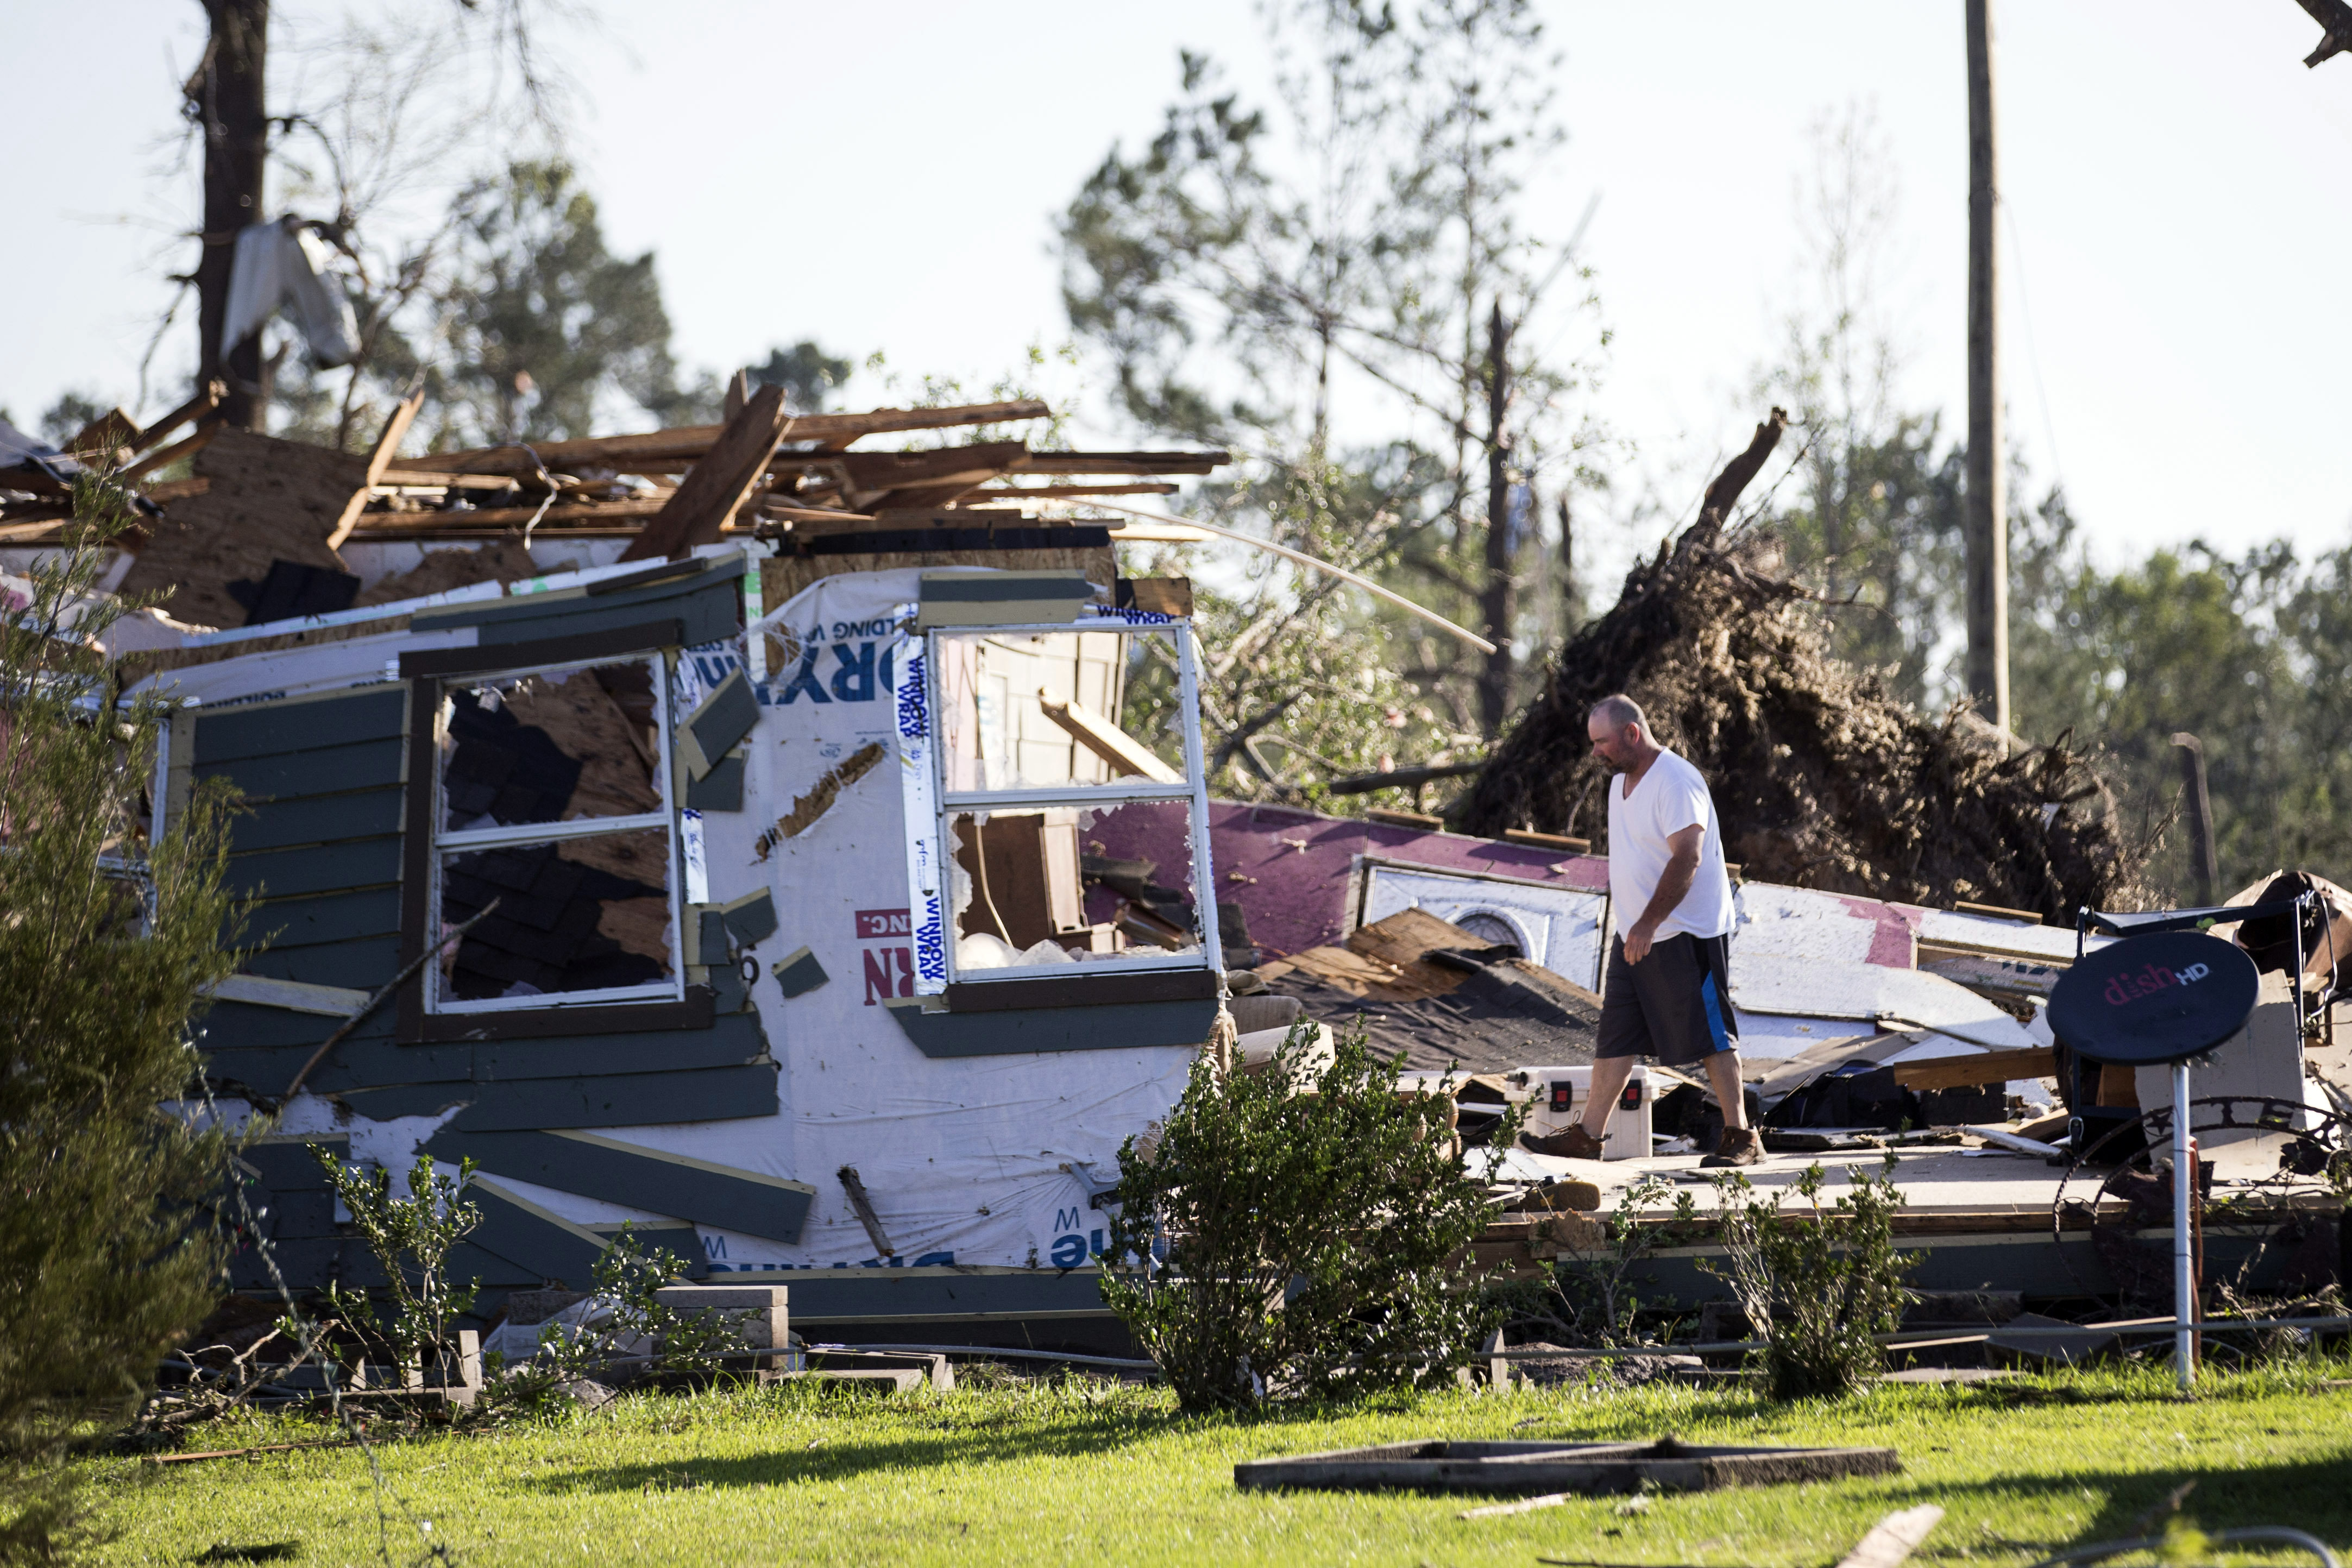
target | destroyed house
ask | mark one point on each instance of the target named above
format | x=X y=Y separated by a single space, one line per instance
x=804 y=855
x=790 y=953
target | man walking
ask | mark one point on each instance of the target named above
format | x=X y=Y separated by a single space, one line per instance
x=1669 y=988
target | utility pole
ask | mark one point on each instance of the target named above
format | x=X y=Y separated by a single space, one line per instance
x=1987 y=530
x=1495 y=601
x=225 y=99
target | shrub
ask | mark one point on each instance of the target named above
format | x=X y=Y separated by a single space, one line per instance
x=411 y=1238
x=631 y=1326
x=1300 y=1232
x=1816 y=1284
x=1593 y=1297
x=109 y=1250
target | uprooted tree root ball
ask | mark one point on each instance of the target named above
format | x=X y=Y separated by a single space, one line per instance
x=1820 y=779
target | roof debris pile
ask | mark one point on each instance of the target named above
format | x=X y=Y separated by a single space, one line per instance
x=1442 y=998
x=263 y=529
x=1820 y=777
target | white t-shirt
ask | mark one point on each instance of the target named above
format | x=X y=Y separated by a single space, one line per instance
x=1671 y=797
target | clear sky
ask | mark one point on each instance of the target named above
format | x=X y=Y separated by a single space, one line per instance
x=883 y=176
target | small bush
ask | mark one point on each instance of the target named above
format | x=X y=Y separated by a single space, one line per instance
x=634 y=1333
x=1595 y=1296
x=411 y=1238
x=1818 y=1284
x=1300 y=1232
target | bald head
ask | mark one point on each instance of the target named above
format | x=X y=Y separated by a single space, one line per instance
x=1621 y=734
x=1619 y=711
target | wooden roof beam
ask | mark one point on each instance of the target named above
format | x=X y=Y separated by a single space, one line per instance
x=687 y=442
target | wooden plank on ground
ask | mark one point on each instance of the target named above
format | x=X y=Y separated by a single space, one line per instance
x=1894 y=1538
x=1983 y=1067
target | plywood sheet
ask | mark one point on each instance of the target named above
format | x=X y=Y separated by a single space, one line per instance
x=270 y=500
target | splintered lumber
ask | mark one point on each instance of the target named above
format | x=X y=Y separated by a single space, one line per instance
x=401 y=479
x=187 y=448
x=479 y=519
x=208 y=399
x=687 y=443
x=1107 y=740
x=107 y=440
x=718 y=485
x=1985 y=1067
x=906 y=480
x=1018 y=495
x=1125 y=461
x=395 y=428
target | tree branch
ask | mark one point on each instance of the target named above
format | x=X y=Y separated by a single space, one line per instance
x=2335 y=19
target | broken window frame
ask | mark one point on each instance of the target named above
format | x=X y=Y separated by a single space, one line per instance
x=1192 y=791
x=445 y=842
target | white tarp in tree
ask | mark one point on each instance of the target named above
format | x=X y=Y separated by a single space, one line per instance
x=283 y=266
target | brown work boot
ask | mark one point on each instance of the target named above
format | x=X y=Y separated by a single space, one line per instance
x=1740 y=1147
x=1570 y=1142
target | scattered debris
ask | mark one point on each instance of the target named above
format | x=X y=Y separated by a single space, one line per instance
x=1894 y=1538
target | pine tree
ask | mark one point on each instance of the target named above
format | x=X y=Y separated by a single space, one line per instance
x=109 y=1248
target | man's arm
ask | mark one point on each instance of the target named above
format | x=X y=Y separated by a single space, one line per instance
x=1682 y=869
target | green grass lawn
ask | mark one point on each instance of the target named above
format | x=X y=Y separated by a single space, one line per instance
x=1087 y=1472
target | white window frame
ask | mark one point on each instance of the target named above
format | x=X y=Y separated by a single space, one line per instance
x=530 y=834
x=1193 y=790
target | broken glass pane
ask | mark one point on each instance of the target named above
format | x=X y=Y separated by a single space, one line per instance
x=585 y=915
x=549 y=747
x=1033 y=888
x=1023 y=711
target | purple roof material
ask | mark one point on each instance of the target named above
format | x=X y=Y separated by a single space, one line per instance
x=1288 y=868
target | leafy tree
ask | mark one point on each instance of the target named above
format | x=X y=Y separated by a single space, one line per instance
x=2192 y=640
x=68 y=416
x=1333 y=331
x=110 y=936
x=541 y=327
x=806 y=372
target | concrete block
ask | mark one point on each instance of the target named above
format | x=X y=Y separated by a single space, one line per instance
x=758 y=1310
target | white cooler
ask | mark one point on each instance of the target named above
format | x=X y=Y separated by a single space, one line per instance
x=1560 y=1094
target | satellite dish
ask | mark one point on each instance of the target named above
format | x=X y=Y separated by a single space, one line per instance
x=2150 y=999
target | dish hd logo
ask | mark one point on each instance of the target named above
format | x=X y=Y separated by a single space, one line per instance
x=2147 y=982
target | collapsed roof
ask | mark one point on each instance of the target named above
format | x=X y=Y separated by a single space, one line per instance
x=256 y=532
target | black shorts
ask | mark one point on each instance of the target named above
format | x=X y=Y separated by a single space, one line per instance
x=1674 y=1005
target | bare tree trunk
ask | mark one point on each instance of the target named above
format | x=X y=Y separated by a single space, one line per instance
x=226 y=97
x=2204 y=863
x=1987 y=530
x=1496 y=603
x=1571 y=602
